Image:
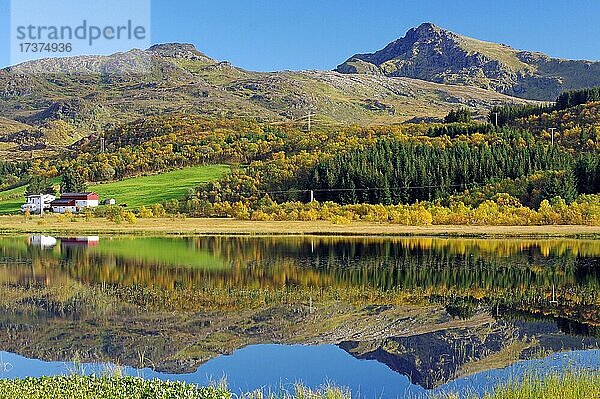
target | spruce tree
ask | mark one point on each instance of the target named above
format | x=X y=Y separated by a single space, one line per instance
x=73 y=182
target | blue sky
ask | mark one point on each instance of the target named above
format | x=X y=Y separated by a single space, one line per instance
x=274 y=35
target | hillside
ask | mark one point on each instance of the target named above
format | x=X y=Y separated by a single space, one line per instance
x=431 y=53
x=137 y=191
x=45 y=109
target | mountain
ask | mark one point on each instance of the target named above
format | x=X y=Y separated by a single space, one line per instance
x=434 y=54
x=55 y=102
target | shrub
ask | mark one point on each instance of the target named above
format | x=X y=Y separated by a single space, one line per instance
x=337 y=219
x=113 y=213
x=501 y=209
x=172 y=206
x=145 y=213
x=88 y=214
x=129 y=217
x=260 y=216
x=240 y=211
x=158 y=211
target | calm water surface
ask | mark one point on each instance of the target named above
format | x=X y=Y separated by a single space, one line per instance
x=385 y=317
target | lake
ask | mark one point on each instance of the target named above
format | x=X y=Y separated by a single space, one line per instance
x=385 y=317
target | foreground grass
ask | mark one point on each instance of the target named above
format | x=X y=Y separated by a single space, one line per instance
x=81 y=387
x=53 y=224
x=575 y=385
x=77 y=387
x=584 y=385
x=137 y=191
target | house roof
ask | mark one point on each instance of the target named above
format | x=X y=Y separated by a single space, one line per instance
x=88 y=195
x=63 y=202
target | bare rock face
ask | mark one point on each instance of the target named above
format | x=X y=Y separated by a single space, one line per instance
x=131 y=62
x=179 y=50
x=431 y=53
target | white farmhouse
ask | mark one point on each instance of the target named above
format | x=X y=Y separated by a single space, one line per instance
x=35 y=203
x=74 y=202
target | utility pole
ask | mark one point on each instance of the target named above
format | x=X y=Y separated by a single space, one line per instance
x=496 y=114
x=41 y=205
x=312 y=195
x=552 y=129
x=310 y=115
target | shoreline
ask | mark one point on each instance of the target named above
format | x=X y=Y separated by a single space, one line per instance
x=573 y=384
x=14 y=225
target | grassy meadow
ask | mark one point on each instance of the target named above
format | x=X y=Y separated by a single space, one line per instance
x=11 y=200
x=153 y=189
x=137 y=191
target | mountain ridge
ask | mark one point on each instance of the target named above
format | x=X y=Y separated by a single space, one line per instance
x=56 y=102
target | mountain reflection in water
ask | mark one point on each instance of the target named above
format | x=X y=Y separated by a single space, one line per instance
x=432 y=309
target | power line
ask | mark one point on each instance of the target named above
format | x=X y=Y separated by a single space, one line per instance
x=319 y=190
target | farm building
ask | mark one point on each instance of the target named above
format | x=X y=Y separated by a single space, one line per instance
x=36 y=203
x=74 y=202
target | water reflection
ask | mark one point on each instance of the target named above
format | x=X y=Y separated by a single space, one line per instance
x=432 y=309
x=42 y=241
x=85 y=241
x=287 y=365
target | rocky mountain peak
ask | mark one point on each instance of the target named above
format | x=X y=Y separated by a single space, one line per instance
x=431 y=53
x=417 y=40
x=179 y=50
x=428 y=32
x=427 y=29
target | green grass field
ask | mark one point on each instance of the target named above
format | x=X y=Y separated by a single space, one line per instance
x=150 y=190
x=135 y=192
x=11 y=200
